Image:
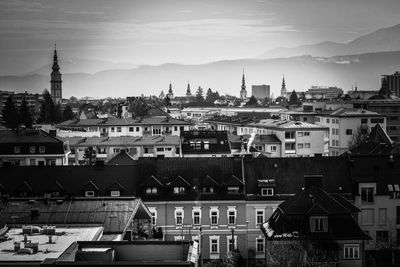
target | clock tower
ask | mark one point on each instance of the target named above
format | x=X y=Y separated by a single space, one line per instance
x=56 y=82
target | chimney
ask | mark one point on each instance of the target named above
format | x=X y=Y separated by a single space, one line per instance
x=312 y=180
x=53 y=133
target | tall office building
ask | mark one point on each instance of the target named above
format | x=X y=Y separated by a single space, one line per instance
x=261 y=91
x=393 y=82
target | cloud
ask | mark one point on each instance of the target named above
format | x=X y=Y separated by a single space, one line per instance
x=22 y=6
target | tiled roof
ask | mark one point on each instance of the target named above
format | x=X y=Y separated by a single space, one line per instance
x=123 y=140
x=122 y=158
x=279 y=124
x=153 y=120
x=347 y=112
x=27 y=136
x=259 y=139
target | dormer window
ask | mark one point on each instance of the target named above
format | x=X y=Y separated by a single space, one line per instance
x=267 y=191
x=394 y=191
x=42 y=149
x=115 y=193
x=233 y=189
x=319 y=224
x=208 y=190
x=17 y=149
x=179 y=190
x=367 y=194
x=151 y=190
x=32 y=149
x=89 y=193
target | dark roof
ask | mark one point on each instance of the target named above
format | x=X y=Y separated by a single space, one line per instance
x=234 y=120
x=293 y=216
x=217 y=142
x=288 y=174
x=30 y=136
x=383 y=170
x=74 y=180
x=122 y=158
x=114 y=215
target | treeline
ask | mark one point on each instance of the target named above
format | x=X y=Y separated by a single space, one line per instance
x=50 y=113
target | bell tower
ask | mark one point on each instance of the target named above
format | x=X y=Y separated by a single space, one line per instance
x=55 y=81
x=243 y=92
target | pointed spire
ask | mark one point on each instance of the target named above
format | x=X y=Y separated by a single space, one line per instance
x=188 y=90
x=243 y=81
x=55 y=59
x=170 y=88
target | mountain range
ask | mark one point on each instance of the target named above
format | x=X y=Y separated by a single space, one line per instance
x=386 y=39
x=360 y=61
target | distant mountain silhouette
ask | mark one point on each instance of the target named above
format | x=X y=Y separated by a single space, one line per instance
x=386 y=39
x=225 y=76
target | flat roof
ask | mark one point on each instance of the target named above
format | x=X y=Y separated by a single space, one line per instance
x=63 y=238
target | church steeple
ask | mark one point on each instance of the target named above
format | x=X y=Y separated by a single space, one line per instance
x=283 y=88
x=55 y=81
x=188 y=92
x=243 y=92
x=170 y=93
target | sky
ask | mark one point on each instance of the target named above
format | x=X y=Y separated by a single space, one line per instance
x=155 y=32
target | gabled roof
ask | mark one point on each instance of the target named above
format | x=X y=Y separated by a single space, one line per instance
x=152 y=181
x=234 y=181
x=122 y=158
x=24 y=136
x=179 y=181
x=91 y=186
x=116 y=186
x=208 y=181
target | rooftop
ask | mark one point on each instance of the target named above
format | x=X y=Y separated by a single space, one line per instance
x=349 y=112
x=279 y=124
x=61 y=240
x=24 y=136
x=123 y=140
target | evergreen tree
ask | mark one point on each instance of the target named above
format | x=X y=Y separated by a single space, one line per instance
x=68 y=114
x=138 y=107
x=10 y=114
x=199 y=95
x=47 y=109
x=293 y=99
x=167 y=101
x=209 y=95
x=57 y=114
x=89 y=156
x=252 y=101
x=25 y=115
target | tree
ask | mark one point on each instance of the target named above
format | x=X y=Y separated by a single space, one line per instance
x=138 y=107
x=10 y=114
x=56 y=114
x=266 y=101
x=252 y=101
x=25 y=115
x=294 y=99
x=167 y=101
x=89 y=156
x=359 y=137
x=47 y=109
x=68 y=114
x=199 y=95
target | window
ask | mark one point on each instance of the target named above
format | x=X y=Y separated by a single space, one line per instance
x=206 y=145
x=233 y=189
x=179 y=190
x=151 y=190
x=351 y=251
x=231 y=246
x=214 y=214
x=307 y=145
x=115 y=193
x=289 y=135
x=319 y=224
x=367 y=216
x=327 y=121
x=196 y=216
x=146 y=150
x=32 y=162
x=364 y=120
x=89 y=193
x=175 y=128
x=259 y=217
x=116 y=150
x=179 y=216
x=349 y=131
x=290 y=146
x=153 y=212
x=306 y=133
x=208 y=190
x=382 y=212
x=137 y=129
x=160 y=149
x=317 y=119
x=269 y=191
x=299 y=146
x=42 y=149
x=119 y=129
x=273 y=148
x=156 y=131
x=131 y=129
x=382 y=236
x=32 y=149
x=260 y=245
x=214 y=244
x=17 y=149
x=300 y=134
x=231 y=215
x=367 y=194
x=112 y=129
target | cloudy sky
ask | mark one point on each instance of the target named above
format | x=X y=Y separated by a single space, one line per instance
x=181 y=31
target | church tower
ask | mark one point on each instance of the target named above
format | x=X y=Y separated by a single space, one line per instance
x=170 y=93
x=56 y=82
x=243 y=92
x=283 y=88
x=188 y=92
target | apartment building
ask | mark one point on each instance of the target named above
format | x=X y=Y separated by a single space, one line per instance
x=113 y=127
x=28 y=147
x=346 y=124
